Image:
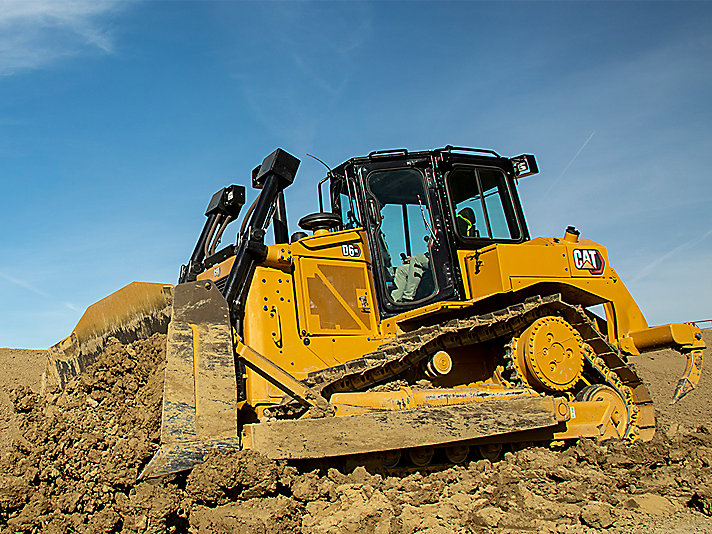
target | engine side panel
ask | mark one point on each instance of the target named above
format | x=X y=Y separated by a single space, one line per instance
x=316 y=312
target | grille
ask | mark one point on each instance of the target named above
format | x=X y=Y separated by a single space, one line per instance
x=220 y=283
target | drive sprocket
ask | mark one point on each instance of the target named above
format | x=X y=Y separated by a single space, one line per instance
x=550 y=354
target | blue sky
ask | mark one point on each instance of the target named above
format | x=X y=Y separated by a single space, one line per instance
x=118 y=120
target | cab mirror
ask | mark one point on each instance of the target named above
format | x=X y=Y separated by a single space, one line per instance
x=524 y=165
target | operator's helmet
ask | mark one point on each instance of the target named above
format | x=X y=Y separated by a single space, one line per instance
x=466 y=220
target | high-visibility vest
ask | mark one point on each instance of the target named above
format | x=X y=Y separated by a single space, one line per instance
x=469 y=223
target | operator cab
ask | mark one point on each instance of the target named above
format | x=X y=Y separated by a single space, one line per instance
x=419 y=208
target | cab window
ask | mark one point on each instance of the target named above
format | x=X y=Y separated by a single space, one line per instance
x=347 y=205
x=481 y=204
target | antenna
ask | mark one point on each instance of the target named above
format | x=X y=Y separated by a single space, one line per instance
x=328 y=174
x=324 y=164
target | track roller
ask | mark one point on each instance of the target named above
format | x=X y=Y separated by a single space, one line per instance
x=421 y=456
x=439 y=365
x=521 y=445
x=390 y=459
x=457 y=454
x=490 y=451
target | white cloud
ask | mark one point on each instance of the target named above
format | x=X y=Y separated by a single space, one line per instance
x=571 y=161
x=29 y=287
x=34 y=33
x=676 y=290
x=23 y=284
x=675 y=252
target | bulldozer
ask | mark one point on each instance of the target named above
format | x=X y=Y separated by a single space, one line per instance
x=414 y=322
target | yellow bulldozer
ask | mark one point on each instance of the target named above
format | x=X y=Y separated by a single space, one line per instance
x=416 y=322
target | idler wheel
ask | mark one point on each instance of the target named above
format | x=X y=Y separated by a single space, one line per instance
x=550 y=354
x=619 y=418
x=421 y=456
x=457 y=454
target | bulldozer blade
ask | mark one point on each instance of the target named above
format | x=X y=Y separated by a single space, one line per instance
x=399 y=429
x=136 y=311
x=200 y=388
x=183 y=456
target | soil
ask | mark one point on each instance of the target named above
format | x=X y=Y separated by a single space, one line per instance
x=69 y=462
x=18 y=367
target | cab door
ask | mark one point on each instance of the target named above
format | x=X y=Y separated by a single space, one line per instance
x=404 y=219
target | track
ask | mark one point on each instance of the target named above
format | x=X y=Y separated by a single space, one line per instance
x=605 y=364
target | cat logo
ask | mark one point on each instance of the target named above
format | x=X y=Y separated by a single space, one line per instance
x=589 y=260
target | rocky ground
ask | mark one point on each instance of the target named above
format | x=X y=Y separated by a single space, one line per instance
x=69 y=463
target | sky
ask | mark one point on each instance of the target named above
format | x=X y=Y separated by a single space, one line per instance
x=120 y=119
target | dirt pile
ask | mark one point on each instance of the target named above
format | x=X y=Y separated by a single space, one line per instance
x=586 y=487
x=18 y=367
x=74 y=457
x=660 y=371
x=76 y=454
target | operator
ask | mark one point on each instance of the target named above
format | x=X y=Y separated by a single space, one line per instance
x=385 y=255
x=466 y=223
x=408 y=276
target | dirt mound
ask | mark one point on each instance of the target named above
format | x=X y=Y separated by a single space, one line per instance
x=660 y=370
x=22 y=367
x=18 y=367
x=72 y=464
x=586 y=487
x=77 y=453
